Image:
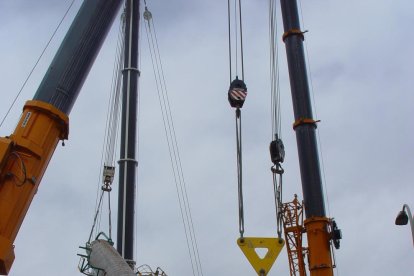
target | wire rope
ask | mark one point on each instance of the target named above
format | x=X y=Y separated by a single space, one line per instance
x=169 y=129
x=234 y=14
x=166 y=127
x=236 y=37
x=37 y=62
x=237 y=91
x=110 y=139
x=240 y=171
x=241 y=39
x=95 y=219
x=274 y=72
x=229 y=34
x=276 y=146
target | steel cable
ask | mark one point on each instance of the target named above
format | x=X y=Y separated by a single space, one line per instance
x=240 y=171
x=111 y=132
x=274 y=72
x=238 y=35
x=276 y=169
x=169 y=129
x=37 y=62
x=238 y=38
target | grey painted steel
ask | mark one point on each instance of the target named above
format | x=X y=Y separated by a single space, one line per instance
x=305 y=133
x=72 y=62
x=106 y=258
x=128 y=164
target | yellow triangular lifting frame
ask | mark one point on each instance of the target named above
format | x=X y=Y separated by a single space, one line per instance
x=261 y=265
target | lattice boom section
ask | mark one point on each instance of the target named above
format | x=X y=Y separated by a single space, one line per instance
x=293 y=228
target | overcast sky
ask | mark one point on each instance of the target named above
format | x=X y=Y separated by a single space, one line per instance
x=361 y=59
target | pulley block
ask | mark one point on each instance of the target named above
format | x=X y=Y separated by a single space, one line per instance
x=108 y=178
x=277 y=151
x=237 y=93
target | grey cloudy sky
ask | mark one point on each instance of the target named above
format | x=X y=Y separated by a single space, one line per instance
x=361 y=58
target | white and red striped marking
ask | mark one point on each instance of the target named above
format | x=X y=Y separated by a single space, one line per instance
x=238 y=94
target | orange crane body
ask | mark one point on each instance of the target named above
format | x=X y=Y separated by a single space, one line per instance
x=320 y=259
x=24 y=158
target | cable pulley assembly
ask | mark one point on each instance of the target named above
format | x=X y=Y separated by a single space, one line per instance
x=237 y=93
x=277 y=155
x=277 y=151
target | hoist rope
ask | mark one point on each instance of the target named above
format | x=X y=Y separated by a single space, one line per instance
x=277 y=189
x=274 y=71
x=277 y=170
x=95 y=219
x=238 y=35
x=236 y=40
x=240 y=171
x=114 y=105
x=237 y=93
x=172 y=143
x=109 y=216
x=110 y=138
x=37 y=62
x=241 y=39
x=229 y=33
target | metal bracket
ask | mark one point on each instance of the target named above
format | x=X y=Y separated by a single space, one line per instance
x=303 y=121
x=293 y=32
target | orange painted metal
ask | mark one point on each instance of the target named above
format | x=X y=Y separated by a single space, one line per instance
x=293 y=227
x=320 y=259
x=24 y=157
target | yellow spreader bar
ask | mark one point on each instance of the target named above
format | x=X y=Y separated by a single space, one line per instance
x=261 y=265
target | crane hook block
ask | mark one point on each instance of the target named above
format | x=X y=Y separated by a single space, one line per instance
x=277 y=151
x=261 y=265
x=237 y=93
